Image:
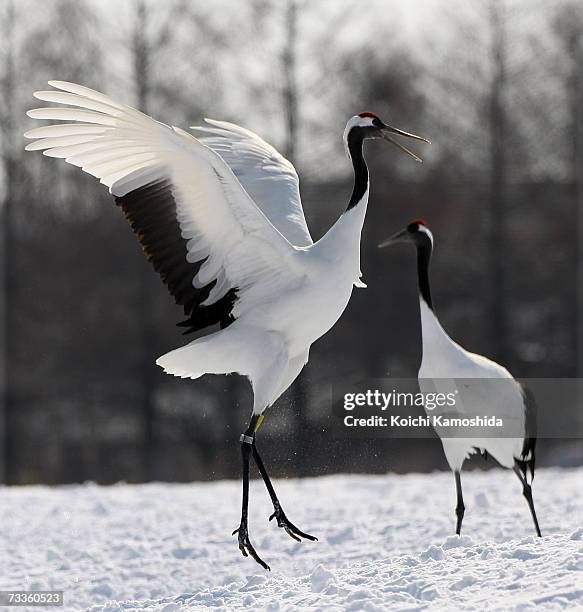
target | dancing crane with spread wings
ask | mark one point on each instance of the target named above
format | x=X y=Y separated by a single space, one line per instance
x=220 y=218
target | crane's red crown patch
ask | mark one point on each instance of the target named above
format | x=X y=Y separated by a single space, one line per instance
x=368 y=114
x=419 y=222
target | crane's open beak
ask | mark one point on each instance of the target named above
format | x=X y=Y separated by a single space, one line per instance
x=388 y=131
x=402 y=236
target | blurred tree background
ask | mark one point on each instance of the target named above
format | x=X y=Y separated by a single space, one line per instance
x=496 y=84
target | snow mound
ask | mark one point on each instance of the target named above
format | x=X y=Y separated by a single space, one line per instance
x=385 y=543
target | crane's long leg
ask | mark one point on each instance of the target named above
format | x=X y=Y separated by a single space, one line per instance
x=527 y=492
x=245 y=546
x=278 y=513
x=248 y=447
x=460 y=508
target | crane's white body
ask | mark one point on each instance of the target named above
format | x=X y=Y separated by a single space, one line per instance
x=446 y=364
x=238 y=205
x=270 y=343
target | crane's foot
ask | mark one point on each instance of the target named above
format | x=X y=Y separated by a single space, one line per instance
x=246 y=547
x=290 y=528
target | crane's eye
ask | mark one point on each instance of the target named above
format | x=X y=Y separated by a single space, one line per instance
x=377 y=122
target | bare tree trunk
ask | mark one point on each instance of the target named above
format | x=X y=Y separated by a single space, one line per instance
x=575 y=93
x=299 y=389
x=577 y=170
x=7 y=410
x=497 y=299
x=141 y=51
x=290 y=89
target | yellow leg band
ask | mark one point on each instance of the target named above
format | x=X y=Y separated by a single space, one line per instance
x=260 y=420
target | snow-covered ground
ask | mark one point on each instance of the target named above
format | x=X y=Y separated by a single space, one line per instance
x=385 y=543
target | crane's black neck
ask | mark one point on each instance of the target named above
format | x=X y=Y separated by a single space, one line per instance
x=355 y=145
x=424 y=250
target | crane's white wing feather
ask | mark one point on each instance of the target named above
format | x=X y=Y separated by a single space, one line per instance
x=268 y=177
x=215 y=249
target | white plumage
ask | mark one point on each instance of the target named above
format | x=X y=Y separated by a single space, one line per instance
x=269 y=178
x=446 y=364
x=221 y=220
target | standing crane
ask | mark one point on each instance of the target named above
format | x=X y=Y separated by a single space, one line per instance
x=486 y=388
x=221 y=220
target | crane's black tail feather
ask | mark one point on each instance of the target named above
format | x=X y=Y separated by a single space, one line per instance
x=528 y=457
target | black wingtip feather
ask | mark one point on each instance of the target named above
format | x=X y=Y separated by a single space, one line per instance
x=151 y=212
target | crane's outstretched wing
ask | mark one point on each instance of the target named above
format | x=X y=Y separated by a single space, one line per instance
x=268 y=177
x=215 y=250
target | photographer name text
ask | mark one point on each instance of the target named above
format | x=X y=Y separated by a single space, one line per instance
x=434 y=420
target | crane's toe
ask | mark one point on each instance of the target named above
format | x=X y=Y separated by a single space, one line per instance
x=293 y=531
x=246 y=547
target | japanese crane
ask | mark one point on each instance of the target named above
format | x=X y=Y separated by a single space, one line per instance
x=484 y=389
x=220 y=218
